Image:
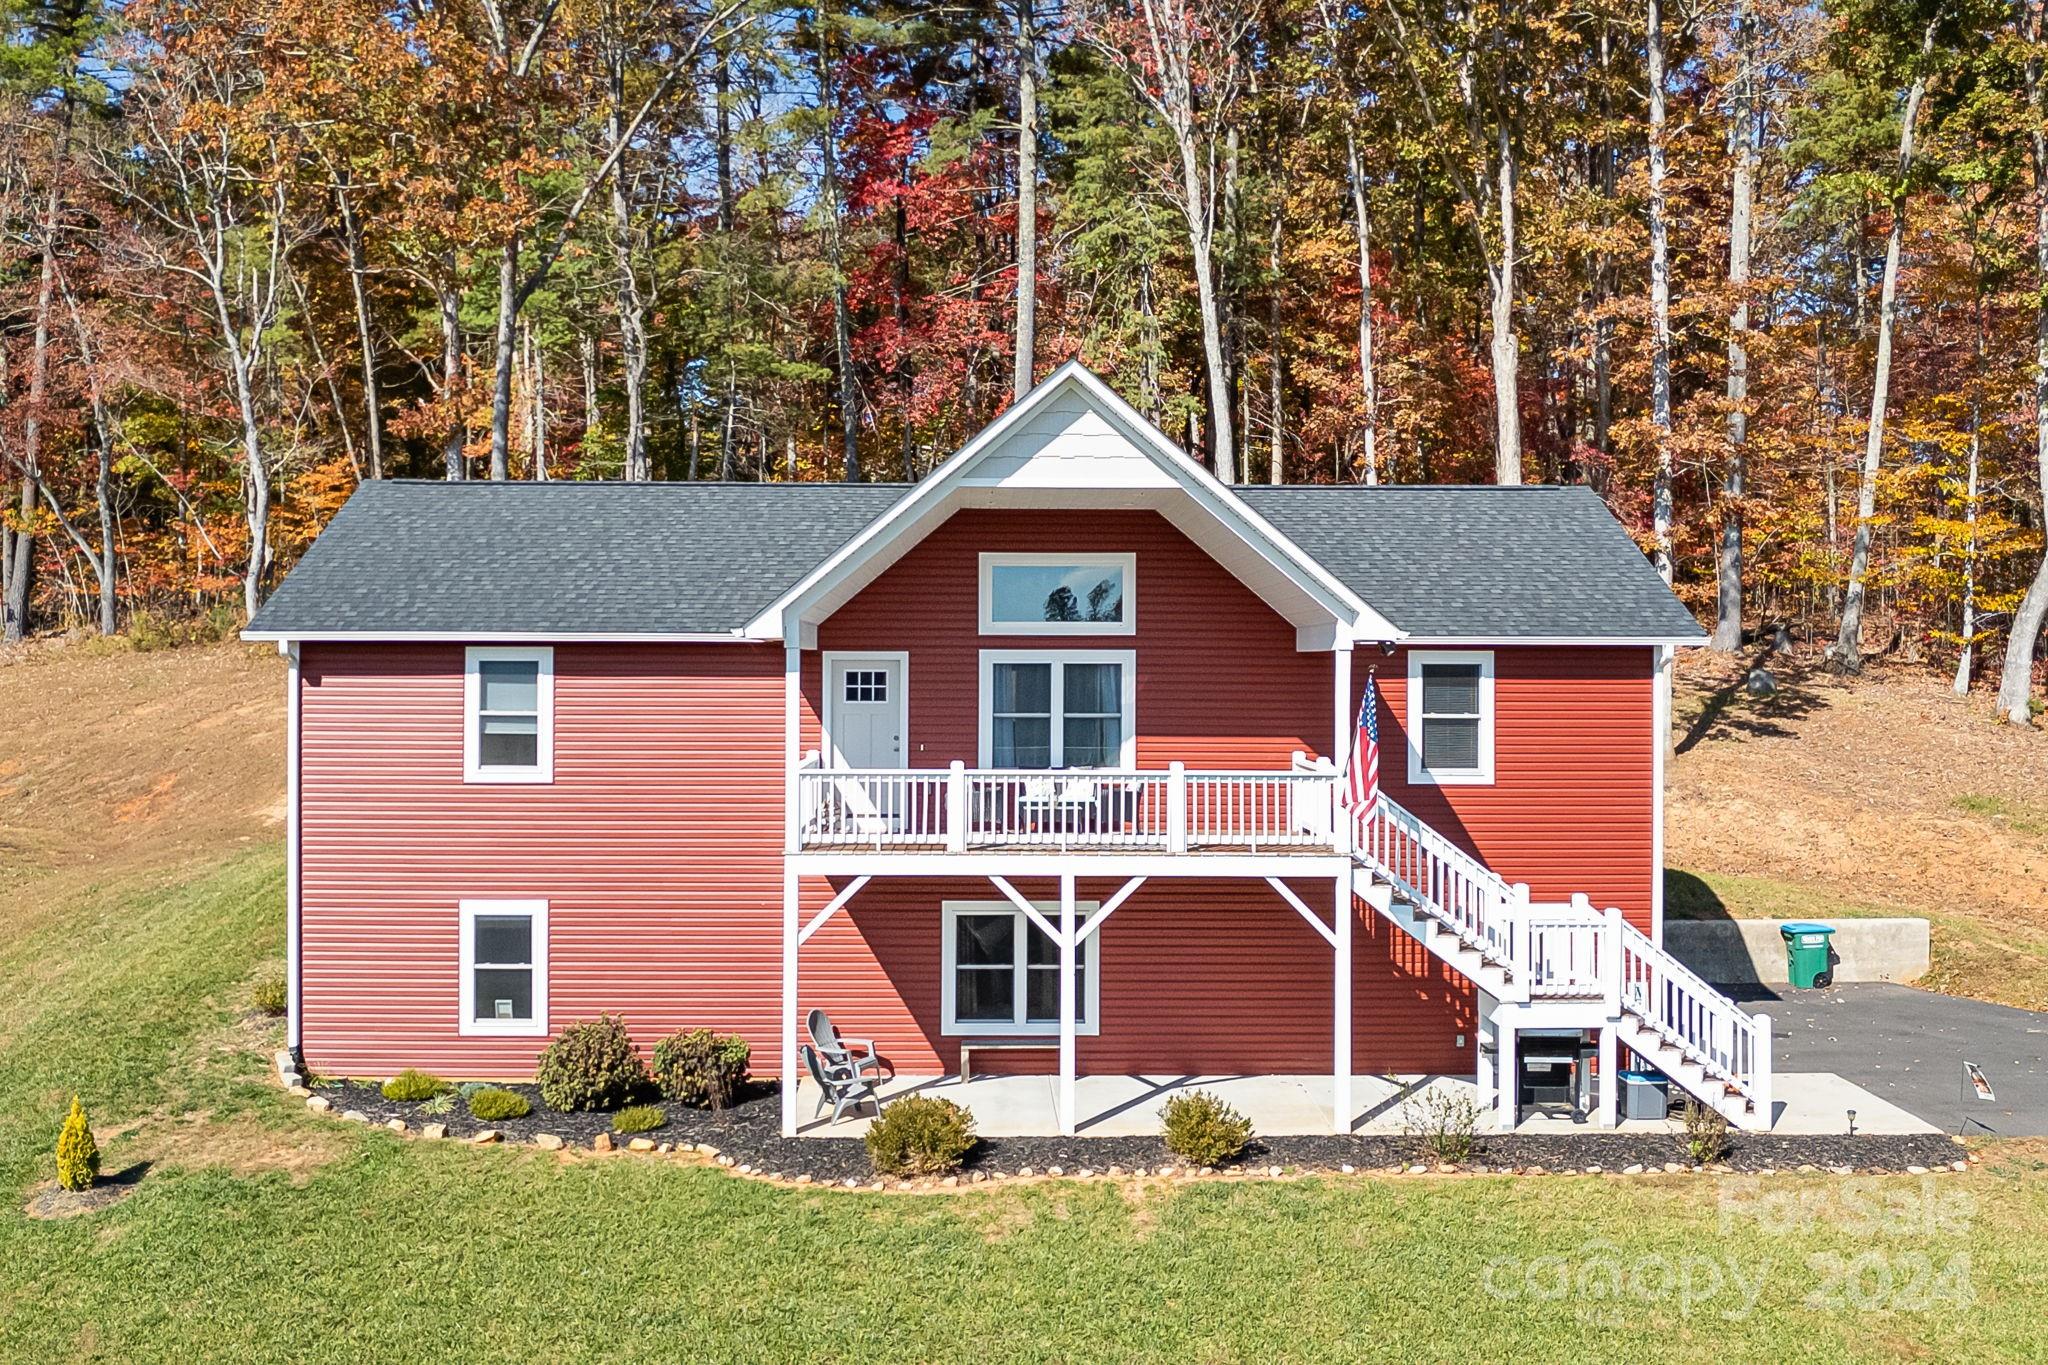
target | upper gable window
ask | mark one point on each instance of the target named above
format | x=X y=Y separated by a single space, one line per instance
x=1053 y=594
x=509 y=715
x=1450 y=717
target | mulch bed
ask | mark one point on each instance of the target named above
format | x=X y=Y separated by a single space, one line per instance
x=749 y=1134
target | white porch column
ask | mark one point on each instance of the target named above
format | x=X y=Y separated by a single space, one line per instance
x=1067 y=948
x=789 y=953
x=1610 y=1079
x=1509 y=1079
x=1484 y=1061
x=792 y=702
x=1340 y=702
x=1340 y=1042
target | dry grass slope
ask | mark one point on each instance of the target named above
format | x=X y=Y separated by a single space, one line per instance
x=1883 y=795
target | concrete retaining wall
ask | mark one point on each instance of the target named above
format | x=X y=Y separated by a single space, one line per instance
x=1751 y=951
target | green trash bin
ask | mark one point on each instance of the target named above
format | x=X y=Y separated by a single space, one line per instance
x=1806 y=953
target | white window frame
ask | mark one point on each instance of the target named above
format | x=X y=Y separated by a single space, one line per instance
x=1087 y=1023
x=1480 y=776
x=830 y=660
x=473 y=768
x=1127 y=563
x=468 y=1025
x=1127 y=756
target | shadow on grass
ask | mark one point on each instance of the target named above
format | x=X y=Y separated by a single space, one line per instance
x=1688 y=897
x=1730 y=712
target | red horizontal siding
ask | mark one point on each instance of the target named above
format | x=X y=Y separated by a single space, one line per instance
x=658 y=845
x=1197 y=976
x=1572 y=804
x=1220 y=683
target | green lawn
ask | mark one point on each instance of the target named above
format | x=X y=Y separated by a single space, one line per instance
x=356 y=1245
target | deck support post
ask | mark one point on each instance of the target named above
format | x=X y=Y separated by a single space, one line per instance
x=1508 y=1084
x=1068 y=941
x=1610 y=1079
x=1340 y=1042
x=789 y=998
x=1487 y=1052
x=792 y=718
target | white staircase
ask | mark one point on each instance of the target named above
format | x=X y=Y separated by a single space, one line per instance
x=1560 y=959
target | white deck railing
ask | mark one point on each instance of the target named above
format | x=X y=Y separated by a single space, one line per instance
x=1571 y=951
x=1168 y=809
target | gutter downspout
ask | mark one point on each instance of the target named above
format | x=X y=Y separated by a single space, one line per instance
x=294 y=1037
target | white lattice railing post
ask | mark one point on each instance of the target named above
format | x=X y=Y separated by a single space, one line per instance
x=1177 y=808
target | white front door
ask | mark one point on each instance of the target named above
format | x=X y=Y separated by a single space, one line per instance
x=864 y=720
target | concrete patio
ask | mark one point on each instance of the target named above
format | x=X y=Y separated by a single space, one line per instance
x=1129 y=1106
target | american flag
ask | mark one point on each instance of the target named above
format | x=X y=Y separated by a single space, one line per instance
x=1362 y=769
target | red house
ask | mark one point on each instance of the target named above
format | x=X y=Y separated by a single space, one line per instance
x=1040 y=756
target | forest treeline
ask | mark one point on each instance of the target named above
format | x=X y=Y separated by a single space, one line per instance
x=1772 y=278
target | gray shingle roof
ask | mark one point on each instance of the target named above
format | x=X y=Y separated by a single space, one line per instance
x=418 y=556
x=411 y=557
x=1481 y=562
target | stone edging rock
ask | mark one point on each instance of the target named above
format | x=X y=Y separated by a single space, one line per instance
x=750 y=1145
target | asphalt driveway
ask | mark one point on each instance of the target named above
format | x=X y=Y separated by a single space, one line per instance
x=1908 y=1046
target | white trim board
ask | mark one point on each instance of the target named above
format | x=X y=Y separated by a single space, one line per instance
x=512 y=637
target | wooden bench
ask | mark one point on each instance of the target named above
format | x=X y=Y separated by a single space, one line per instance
x=970 y=1045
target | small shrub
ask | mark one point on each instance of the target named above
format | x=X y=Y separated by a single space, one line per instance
x=701 y=1067
x=639 y=1118
x=1706 y=1133
x=591 y=1065
x=1202 y=1129
x=1443 y=1122
x=443 y=1103
x=268 y=997
x=920 y=1135
x=78 y=1156
x=413 y=1084
x=492 y=1105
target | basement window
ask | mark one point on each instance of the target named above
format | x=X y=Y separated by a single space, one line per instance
x=1002 y=973
x=505 y=968
x=508 y=715
x=1450 y=717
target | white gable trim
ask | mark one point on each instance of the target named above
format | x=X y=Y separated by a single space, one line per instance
x=932 y=500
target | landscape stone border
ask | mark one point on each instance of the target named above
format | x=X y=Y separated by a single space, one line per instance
x=746 y=1138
